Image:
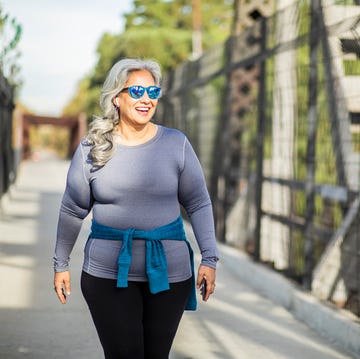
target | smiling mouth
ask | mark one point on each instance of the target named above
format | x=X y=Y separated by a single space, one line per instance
x=143 y=109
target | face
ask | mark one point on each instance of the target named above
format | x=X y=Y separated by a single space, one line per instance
x=137 y=112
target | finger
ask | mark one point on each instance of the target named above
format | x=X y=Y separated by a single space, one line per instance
x=207 y=296
x=199 y=280
x=210 y=289
x=67 y=288
x=59 y=289
x=62 y=285
x=60 y=293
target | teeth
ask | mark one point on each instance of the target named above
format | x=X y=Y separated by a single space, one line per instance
x=142 y=109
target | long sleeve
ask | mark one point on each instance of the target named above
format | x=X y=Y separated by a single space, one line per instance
x=75 y=206
x=194 y=197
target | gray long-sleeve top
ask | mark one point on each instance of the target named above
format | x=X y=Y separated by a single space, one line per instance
x=140 y=187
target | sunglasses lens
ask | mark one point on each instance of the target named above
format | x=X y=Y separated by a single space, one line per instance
x=153 y=92
x=136 y=91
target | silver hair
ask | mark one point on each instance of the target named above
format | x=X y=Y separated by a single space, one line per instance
x=101 y=130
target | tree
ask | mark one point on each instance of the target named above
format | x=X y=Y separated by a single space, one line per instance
x=136 y=44
x=216 y=17
x=10 y=34
x=157 y=29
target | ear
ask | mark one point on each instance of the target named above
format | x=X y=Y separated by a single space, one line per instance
x=116 y=102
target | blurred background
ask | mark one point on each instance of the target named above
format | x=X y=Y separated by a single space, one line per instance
x=267 y=91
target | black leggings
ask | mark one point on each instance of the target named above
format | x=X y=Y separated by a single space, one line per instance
x=131 y=322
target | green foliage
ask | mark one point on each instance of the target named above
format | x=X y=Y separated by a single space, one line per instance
x=10 y=34
x=345 y=2
x=327 y=214
x=356 y=141
x=106 y=51
x=157 y=14
x=155 y=29
x=177 y=14
x=352 y=67
x=168 y=46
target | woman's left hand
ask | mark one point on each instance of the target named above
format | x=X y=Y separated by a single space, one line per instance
x=209 y=274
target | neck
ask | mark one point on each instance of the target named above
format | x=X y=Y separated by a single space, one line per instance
x=134 y=135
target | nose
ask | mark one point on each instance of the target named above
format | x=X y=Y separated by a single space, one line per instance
x=145 y=98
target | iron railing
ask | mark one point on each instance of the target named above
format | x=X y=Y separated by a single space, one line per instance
x=274 y=117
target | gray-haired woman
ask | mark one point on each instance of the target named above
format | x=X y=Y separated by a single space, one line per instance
x=138 y=274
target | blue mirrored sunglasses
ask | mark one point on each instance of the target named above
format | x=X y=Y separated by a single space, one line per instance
x=139 y=91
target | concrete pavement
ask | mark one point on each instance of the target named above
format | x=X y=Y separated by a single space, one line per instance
x=237 y=323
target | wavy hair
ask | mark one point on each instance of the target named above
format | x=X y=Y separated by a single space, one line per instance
x=101 y=130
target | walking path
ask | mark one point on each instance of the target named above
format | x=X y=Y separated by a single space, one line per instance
x=236 y=323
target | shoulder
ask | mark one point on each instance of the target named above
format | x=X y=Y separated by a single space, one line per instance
x=173 y=135
x=83 y=149
x=82 y=152
x=85 y=145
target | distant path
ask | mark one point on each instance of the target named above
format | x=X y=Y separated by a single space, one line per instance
x=237 y=322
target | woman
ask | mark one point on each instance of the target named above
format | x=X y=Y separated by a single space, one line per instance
x=133 y=175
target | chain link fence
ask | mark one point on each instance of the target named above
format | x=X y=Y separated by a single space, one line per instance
x=274 y=115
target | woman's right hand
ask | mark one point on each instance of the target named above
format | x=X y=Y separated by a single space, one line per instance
x=62 y=285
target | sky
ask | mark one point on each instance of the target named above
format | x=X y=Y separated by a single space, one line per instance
x=58 y=46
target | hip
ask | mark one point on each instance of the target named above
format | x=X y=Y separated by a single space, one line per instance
x=101 y=259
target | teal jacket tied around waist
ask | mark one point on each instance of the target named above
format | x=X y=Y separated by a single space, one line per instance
x=156 y=265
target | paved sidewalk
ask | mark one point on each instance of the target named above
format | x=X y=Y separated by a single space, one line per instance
x=237 y=322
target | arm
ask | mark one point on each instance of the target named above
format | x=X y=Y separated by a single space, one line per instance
x=75 y=206
x=194 y=197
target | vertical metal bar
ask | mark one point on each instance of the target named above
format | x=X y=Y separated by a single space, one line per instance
x=237 y=26
x=311 y=143
x=338 y=113
x=357 y=265
x=2 y=154
x=260 y=140
x=217 y=181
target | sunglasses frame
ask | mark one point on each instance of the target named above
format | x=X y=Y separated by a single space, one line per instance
x=142 y=88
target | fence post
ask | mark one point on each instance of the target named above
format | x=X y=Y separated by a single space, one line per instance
x=311 y=143
x=7 y=168
x=220 y=157
x=261 y=120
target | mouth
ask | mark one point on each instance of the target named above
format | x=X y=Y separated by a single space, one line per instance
x=143 y=109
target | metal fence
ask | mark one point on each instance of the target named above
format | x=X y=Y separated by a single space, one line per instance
x=7 y=163
x=274 y=115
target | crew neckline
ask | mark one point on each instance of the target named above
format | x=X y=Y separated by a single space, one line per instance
x=159 y=131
